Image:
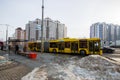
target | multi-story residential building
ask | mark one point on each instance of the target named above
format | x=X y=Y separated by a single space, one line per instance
x=51 y=30
x=17 y=38
x=19 y=33
x=108 y=33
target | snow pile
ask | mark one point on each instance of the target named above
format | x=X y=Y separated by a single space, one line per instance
x=96 y=62
x=4 y=60
x=93 y=67
x=51 y=72
x=100 y=67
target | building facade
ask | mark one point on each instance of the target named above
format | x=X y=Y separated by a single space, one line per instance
x=108 y=33
x=51 y=30
x=19 y=33
x=18 y=38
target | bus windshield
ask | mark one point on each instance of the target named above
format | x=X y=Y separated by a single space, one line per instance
x=96 y=44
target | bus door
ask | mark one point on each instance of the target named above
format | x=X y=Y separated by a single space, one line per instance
x=83 y=46
x=34 y=46
x=30 y=46
x=94 y=47
x=38 y=46
x=74 y=47
x=61 y=47
x=67 y=48
x=53 y=47
x=91 y=47
x=97 y=46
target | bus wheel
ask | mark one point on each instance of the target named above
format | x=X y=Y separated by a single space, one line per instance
x=54 y=51
x=83 y=52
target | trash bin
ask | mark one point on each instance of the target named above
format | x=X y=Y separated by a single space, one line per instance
x=32 y=55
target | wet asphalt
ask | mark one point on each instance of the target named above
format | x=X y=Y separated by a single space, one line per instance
x=42 y=58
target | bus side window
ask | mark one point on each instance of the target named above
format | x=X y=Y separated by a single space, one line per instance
x=83 y=44
x=53 y=45
x=67 y=44
x=96 y=46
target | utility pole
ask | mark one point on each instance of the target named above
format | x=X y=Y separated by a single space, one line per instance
x=42 y=44
x=7 y=36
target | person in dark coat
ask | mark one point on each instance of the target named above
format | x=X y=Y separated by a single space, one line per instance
x=25 y=48
x=9 y=47
x=2 y=47
x=16 y=49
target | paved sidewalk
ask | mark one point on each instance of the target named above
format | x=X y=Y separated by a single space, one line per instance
x=12 y=71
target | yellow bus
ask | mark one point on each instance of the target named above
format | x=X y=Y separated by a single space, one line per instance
x=34 y=46
x=62 y=45
x=90 y=46
x=73 y=45
x=38 y=46
x=31 y=46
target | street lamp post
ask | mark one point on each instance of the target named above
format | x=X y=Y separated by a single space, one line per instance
x=42 y=44
x=6 y=33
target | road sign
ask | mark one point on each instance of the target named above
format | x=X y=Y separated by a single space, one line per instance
x=38 y=27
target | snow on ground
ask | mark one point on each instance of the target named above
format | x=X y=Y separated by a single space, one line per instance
x=51 y=72
x=96 y=67
x=93 y=67
x=4 y=60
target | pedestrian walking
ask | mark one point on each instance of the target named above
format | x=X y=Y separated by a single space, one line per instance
x=9 y=47
x=25 y=48
x=2 y=47
x=16 y=49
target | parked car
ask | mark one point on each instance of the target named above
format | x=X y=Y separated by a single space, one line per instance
x=108 y=50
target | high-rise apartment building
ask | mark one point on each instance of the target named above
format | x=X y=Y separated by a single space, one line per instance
x=51 y=30
x=108 y=33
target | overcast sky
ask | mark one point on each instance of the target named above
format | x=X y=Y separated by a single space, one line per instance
x=77 y=15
